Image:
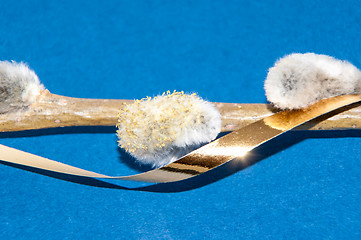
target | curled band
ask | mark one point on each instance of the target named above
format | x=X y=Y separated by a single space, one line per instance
x=233 y=146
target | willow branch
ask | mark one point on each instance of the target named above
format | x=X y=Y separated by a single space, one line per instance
x=53 y=111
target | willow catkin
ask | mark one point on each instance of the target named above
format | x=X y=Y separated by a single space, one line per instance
x=19 y=86
x=159 y=130
x=299 y=80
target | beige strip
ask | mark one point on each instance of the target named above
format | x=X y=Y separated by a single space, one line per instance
x=232 y=146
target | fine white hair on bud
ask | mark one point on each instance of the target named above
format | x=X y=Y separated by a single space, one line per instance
x=19 y=86
x=157 y=131
x=299 y=80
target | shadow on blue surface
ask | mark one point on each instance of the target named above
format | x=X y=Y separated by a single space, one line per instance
x=264 y=151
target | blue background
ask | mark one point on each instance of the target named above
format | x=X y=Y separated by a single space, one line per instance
x=304 y=186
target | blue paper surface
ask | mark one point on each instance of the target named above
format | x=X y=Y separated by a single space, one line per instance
x=304 y=186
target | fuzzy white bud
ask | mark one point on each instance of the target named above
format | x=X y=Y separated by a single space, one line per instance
x=19 y=86
x=299 y=80
x=157 y=131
